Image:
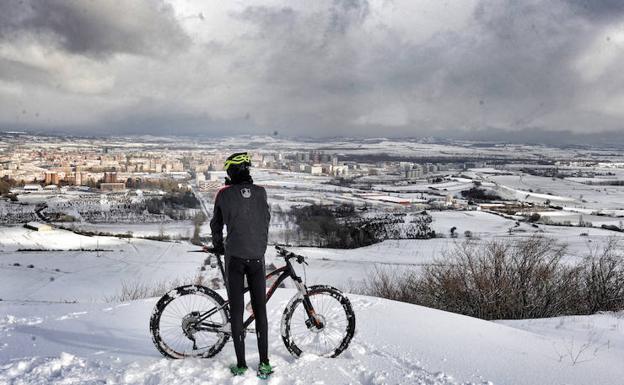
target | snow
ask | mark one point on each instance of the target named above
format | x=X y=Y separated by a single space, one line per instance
x=173 y=229
x=579 y=339
x=347 y=269
x=74 y=273
x=63 y=331
x=395 y=343
x=563 y=192
x=100 y=274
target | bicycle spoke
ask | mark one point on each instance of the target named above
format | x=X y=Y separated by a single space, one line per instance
x=326 y=340
x=183 y=312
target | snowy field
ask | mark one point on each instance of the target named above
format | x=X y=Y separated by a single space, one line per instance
x=76 y=275
x=64 y=331
x=119 y=261
x=173 y=229
x=348 y=268
x=563 y=192
x=395 y=343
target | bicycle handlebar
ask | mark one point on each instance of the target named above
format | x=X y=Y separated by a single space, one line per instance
x=286 y=254
x=289 y=255
x=207 y=249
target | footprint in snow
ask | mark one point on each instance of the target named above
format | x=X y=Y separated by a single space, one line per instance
x=71 y=315
x=361 y=304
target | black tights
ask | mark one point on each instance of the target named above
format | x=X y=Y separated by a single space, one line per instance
x=236 y=269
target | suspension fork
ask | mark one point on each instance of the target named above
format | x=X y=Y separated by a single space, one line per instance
x=313 y=319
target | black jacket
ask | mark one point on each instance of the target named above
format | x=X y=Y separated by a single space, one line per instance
x=243 y=208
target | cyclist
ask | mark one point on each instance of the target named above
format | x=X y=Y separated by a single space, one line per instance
x=242 y=206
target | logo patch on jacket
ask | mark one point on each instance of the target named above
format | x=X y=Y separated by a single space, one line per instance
x=246 y=192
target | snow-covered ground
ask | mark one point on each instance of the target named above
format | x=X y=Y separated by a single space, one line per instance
x=101 y=273
x=72 y=273
x=348 y=268
x=63 y=331
x=173 y=229
x=395 y=343
x=563 y=192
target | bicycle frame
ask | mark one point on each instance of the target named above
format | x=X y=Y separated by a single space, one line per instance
x=282 y=274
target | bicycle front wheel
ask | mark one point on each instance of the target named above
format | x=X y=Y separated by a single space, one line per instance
x=332 y=310
x=180 y=327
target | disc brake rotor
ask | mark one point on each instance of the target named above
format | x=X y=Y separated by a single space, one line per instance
x=313 y=328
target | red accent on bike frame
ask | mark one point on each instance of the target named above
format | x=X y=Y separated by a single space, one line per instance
x=272 y=289
x=277 y=281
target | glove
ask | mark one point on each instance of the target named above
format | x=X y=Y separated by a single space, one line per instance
x=218 y=249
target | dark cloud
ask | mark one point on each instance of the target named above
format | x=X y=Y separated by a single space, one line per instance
x=534 y=68
x=598 y=9
x=96 y=28
x=512 y=67
x=531 y=135
x=343 y=14
x=308 y=62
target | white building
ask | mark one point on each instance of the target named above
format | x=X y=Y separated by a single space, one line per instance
x=38 y=226
x=316 y=169
x=216 y=175
x=32 y=187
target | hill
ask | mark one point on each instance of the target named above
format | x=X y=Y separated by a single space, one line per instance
x=62 y=332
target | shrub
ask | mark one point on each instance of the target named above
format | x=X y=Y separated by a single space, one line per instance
x=132 y=290
x=198 y=220
x=392 y=283
x=510 y=280
x=501 y=280
x=603 y=278
x=611 y=227
x=5 y=188
x=344 y=228
x=480 y=195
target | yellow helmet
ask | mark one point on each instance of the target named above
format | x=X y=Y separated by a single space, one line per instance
x=240 y=158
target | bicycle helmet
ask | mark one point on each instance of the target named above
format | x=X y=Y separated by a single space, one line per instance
x=240 y=159
x=237 y=167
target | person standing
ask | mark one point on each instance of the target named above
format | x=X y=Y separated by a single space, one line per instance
x=243 y=208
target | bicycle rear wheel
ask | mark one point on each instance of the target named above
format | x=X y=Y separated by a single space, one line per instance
x=175 y=326
x=334 y=311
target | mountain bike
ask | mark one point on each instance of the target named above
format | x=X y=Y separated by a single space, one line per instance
x=194 y=321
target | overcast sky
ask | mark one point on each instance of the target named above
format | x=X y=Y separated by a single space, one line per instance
x=315 y=68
